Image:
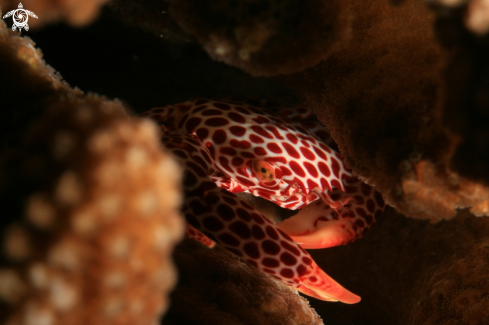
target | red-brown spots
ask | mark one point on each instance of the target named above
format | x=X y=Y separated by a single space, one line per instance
x=237 y=161
x=276 y=159
x=198 y=208
x=290 y=247
x=270 y=262
x=307 y=153
x=211 y=198
x=292 y=138
x=311 y=169
x=228 y=239
x=225 y=212
x=241 y=229
x=260 y=151
x=259 y=220
x=211 y=112
x=192 y=123
x=359 y=199
x=270 y=247
x=320 y=153
x=219 y=136
x=256 y=139
x=297 y=168
x=198 y=109
x=245 y=181
x=230 y=200
x=240 y=144
x=379 y=199
x=227 y=151
x=252 y=250
x=370 y=205
x=271 y=232
x=302 y=270
x=335 y=166
x=257 y=232
x=182 y=121
x=361 y=212
x=216 y=122
x=291 y=150
x=281 y=127
x=275 y=132
x=306 y=260
x=285 y=171
x=359 y=223
x=243 y=214
x=311 y=184
x=336 y=184
x=273 y=147
x=206 y=156
x=225 y=164
x=238 y=118
x=222 y=106
x=305 y=144
x=242 y=110
x=287 y=258
x=247 y=155
x=313 y=279
x=261 y=131
x=324 y=147
x=325 y=184
x=237 y=130
x=287 y=273
x=260 y=119
x=213 y=224
x=196 y=168
x=324 y=169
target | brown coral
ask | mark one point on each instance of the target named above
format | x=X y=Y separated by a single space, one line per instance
x=379 y=96
x=92 y=205
x=263 y=38
x=220 y=289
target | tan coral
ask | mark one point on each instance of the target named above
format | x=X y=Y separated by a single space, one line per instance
x=94 y=203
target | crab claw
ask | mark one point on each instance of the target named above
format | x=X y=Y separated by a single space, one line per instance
x=319 y=285
x=324 y=224
x=318 y=226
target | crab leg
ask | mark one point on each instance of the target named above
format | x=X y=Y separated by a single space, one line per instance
x=242 y=230
x=225 y=219
x=347 y=218
x=198 y=236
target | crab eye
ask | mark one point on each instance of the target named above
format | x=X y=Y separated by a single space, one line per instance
x=264 y=171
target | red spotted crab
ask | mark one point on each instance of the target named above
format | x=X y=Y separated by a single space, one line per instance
x=284 y=156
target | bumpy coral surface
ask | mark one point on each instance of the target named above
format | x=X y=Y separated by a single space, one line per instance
x=379 y=96
x=261 y=37
x=91 y=205
x=74 y=12
x=228 y=291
